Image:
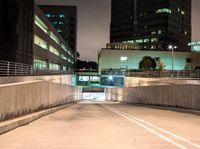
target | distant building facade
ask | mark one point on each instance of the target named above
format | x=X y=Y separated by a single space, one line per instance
x=64 y=19
x=129 y=59
x=123 y=46
x=195 y=46
x=28 y=37
x=154 y=24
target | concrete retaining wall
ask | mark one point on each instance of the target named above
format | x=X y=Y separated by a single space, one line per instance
x=183 y=96
x=22 y=98
x=63 y=79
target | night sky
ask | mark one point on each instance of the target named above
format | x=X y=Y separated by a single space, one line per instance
x=94 y=24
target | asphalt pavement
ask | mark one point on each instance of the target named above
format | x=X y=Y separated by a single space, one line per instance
x=107 y=126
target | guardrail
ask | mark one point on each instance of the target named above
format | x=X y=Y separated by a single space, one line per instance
x=166 y=73
x=18 y=69
x=156 y=73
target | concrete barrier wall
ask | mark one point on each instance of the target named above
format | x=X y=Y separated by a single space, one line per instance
x=63 y=79
x=22 y=98
x=183 y=96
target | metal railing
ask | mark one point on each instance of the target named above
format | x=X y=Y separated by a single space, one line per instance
x=156 y=73
x=15 y=69
x=18 y=69
x=165 y=73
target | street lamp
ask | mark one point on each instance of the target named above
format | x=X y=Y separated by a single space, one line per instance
x=172 y=47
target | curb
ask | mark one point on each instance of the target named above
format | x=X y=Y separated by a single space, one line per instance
x=21 y=121
x=174 y=109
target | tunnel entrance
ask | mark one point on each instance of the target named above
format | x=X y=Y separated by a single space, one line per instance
x=93 y=95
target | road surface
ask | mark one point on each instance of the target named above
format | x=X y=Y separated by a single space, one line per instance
x=107 y=126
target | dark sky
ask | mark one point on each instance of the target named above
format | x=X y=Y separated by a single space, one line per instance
x=94 y=24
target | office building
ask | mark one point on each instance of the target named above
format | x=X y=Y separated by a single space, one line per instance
x=16 y=30
x=28 y=37
x=64 y=19
x=154 y=24
x=112 y=59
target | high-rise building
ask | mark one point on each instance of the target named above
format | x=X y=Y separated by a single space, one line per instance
x=154 y=24
x=27 y=36
x=16 y=30
x=64 y=19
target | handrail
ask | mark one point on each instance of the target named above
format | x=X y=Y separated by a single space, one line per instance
x=155 y=73
x=8 y=68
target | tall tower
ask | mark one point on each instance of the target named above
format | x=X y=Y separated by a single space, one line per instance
x=154 y=24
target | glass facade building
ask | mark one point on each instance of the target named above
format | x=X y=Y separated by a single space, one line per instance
x=64 y=19
x=154 y=24
x=27 y=36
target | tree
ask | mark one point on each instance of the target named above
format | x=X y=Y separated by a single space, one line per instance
x=147 y=63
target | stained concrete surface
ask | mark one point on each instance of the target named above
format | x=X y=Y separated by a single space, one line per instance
x=105 y=126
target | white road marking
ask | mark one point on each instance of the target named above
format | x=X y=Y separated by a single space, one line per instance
x=163 y=130
x=147 y=128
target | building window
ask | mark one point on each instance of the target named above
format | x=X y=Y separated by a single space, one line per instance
x=40 y=42
x=64 y=47
x=124 y=59
x=62 y=16
x=164 y=10
x=53 y=66
x=139 y=41
x=53 y=36
x=40 y=24
x=40 y=64
x=54 y=50
x=183 y=12
x=63 y=57
x=153 y=33
x=48 y=15
x=154 y=39
x=54 y=22
x=61 y=23
x=159 y=32
x=59 y=30
x=146 y=40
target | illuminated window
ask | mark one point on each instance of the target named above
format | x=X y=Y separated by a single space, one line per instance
x=139 y=41
x=53 y=66
x=84 y=78
x=54 y=22
x=164 y=10
x=61 y=23
x=124 y=58
x=53 y=36
x=48 y=15
x=40 y=64
x=64 y=47
x=54 y=50
x=183 y=12
x=153 y=33
x=40 y=42
x=146 y=40
x=153 y=47
x=63 y=57
x=40 y=24
x=159 y=32
x=59 y=30
x=62 y=16
x=154 y=39
x=185 y=32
